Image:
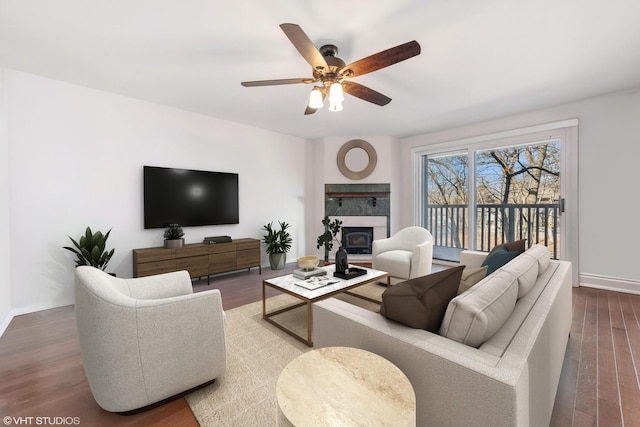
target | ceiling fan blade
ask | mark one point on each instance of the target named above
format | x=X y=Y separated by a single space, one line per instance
x=305 y=46
x=363 y=92
x=276 y=82
x=382 y=59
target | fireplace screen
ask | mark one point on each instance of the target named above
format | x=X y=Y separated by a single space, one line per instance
x=357 y=240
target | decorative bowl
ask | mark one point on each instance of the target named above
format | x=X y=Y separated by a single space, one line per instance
x=308 y=262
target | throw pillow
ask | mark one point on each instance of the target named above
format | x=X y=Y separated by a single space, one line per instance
x=421 y=302
x=518 y=245
x=497 y=258
x=471 y=276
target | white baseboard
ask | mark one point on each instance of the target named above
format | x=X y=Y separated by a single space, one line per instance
x=5 y=322
x=615 y=284
x=25 y=310
x=37 y=307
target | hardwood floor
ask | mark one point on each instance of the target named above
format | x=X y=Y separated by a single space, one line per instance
x=41 y=372
x=600 y=385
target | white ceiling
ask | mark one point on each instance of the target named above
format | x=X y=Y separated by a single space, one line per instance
x=480 y=59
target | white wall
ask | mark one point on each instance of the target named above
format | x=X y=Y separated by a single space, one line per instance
x=608 y=153
x=76 y=157
x=5 y=256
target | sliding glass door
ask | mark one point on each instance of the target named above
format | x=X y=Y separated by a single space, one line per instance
x=491 y=193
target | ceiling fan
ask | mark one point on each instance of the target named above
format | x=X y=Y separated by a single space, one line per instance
x=333 y=76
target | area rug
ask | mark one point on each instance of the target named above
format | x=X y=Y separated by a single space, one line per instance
x=256 y=354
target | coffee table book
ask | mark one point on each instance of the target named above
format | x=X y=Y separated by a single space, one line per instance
x=305 y=274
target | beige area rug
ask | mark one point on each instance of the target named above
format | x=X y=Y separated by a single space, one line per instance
x=257 y=352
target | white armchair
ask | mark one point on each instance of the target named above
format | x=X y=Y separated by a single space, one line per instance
x=147 y=339
x=405 y=255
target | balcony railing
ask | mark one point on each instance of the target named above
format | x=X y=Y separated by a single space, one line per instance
x=496 y=224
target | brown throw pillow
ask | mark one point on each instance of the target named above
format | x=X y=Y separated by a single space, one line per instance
x=420 y=303
x=471 y=276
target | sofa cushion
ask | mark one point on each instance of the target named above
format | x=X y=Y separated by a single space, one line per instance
x=421 y=302
x=527 y=267
x=471 y=276
x=397 y=262
x=476 y=315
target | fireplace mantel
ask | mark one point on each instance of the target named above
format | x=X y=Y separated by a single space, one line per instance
x=357 y=199
x=347 y=195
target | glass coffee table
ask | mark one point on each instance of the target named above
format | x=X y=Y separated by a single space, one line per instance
x=312 y=290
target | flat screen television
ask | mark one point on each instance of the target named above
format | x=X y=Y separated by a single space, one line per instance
x=189 y=197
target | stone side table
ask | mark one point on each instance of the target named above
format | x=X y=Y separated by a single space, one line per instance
x=344 y=386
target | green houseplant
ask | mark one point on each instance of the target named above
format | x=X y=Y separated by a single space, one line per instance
x=90 y=249
x=173 y=236
x=278 y=244
x=326 y=239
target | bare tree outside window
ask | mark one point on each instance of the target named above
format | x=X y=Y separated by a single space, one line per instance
x=446 y=195
x=517 y=193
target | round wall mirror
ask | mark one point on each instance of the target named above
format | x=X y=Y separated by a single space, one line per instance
x=357 y=159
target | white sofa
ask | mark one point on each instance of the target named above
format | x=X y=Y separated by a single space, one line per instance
x=509 y=380
x=147 y=339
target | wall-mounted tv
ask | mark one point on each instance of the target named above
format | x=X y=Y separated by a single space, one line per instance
x=189 y=197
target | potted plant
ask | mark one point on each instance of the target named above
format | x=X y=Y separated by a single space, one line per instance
x=326 y=239
x=173 y=236
x=90 y=250
x=278 y=244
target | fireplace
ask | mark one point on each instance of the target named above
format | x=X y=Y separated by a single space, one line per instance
x=360 y=206
x=358 y=251
x=357 y=240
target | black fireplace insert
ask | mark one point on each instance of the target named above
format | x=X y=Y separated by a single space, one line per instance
x=357 y=240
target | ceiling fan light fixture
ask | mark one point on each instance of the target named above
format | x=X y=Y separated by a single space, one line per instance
x=315 y=99
x=336 y=94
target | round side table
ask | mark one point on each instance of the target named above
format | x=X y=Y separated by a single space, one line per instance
x=344 y=386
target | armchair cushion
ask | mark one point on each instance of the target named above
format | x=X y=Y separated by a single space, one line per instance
x=396 y=262
x=420 y=303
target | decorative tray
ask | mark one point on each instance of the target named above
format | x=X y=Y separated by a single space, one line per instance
x=351 y=273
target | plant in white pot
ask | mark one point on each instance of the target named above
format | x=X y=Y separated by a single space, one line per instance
x=173 y=236
x=278 y=244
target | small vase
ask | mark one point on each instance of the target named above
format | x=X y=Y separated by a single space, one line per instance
x=341 y=260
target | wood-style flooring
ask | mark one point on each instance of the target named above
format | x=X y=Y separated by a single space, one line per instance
x=41 y=372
